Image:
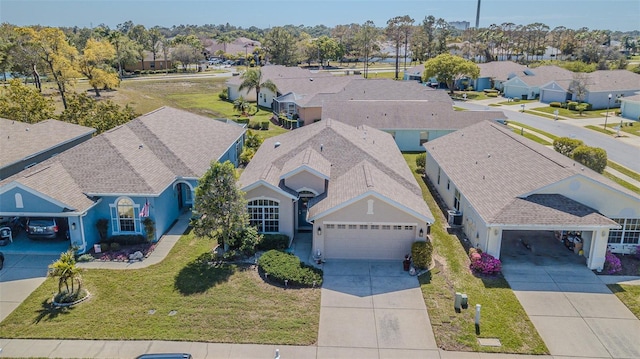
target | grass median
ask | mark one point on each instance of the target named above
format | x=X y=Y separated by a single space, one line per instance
x=502 y=315
x=222 y=304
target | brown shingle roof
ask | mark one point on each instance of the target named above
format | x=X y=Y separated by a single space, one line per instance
x=21 y=140
x=492 y=166
x=613 y=80
x=501 y=70
x=346 y=148
x=142 y=157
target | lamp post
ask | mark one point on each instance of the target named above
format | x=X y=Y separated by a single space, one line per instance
x=606 y=115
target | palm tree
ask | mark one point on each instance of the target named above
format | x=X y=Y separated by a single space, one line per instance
x=66 y=271
x=252 y=79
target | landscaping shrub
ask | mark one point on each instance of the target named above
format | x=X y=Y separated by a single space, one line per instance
x=421 y=160
x=485 y=263
x=273 y=241
x=555 y=104
x=224 y=94
x=422 y=254
x=488 y=91
x=242 y=120
x=114 y=246
x=85 y=258
x=592 y=157
x=246 y=155
x=128 y=239
x=282 y=266
x=254 y=125
x=566 y=145
x=264 y=125
x=516 y=99
x=246 y=241
x=231 y=255
x=572 y=105
x=612 y=263
x=492 y=94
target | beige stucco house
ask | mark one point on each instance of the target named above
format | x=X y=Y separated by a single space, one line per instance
x=349 y=186
x=502 y=182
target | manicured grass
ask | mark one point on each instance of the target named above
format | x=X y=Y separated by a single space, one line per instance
x=224 y=303
x=544 y=133
x=518 y=103
x=629 y=295
x=456 y=108
x=621 y=182
x=601 y=129
x=571 y=114
x=624 y=170
x=502 y=315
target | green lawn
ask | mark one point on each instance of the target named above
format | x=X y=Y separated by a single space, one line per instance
x=621 y=182
x=544 y=133
x=502 y=315
x=624 y=170
x=224 y=304
x=563 y=112
x=629 y=295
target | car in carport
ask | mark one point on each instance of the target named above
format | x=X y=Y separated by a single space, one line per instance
x=47 y=228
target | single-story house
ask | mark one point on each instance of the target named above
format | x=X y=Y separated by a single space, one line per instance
x=349 y=186
x=527 y=85
x=494 y=74
x=275 y=73
x=151 y=163
x=498 y=182
x=412 y=122
x=239 y=46
x=599 y=85
x=22 y=145
x=630 y=107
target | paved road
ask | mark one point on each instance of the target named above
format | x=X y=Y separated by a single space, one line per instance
x=617 y=150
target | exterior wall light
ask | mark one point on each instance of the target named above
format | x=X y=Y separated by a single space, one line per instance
x=319 y=230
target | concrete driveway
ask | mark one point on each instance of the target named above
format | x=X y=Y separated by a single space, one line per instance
x=573 y=310
x=21 y=275
x=373 y=310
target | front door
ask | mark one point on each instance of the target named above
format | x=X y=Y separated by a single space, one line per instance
x=180 y=188
x=302 y=213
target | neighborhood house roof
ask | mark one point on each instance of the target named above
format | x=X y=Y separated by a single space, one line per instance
x=613 y=80
x=544 y=74
x=498 y=171
x=142 y=157
x=306 y=88
x=423 y=115
x=501 y=70
x=357 y=160
x=273 y=72
x=21 y=140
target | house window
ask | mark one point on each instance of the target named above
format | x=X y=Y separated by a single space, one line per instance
x=386 y=227
x=265 y=215
x=628 y=234
x=397 y=228
x=330 y=226
x=408 y=228
x=353 y=226
x=438 y=175
x=375 y=226
x=424 y=137
x=456 y=200
x=125 y=215
x=364 y=226
x=448 y=184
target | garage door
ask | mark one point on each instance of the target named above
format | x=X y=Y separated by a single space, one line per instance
x=368 y=241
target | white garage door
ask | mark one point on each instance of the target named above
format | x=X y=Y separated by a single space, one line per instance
x=368 y=241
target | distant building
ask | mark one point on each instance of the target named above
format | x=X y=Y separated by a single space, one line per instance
x=460 y=25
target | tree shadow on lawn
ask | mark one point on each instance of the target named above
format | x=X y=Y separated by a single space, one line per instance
x=201 y=274
x=49 y=311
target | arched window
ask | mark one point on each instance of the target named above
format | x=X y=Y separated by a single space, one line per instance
x=265 y=215
x=125 y=215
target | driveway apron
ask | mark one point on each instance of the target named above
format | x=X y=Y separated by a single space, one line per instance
x=372 y=309
x=574 y=311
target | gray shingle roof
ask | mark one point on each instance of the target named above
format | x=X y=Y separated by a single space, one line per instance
x=347 y=149
x=387 y=89
x=492 y=166
x=20 y=140
x=500 y=70
x=613 y=80
x=545 y=74
x=273 y=72
x=421 y=115
x=550 y=210
x=306 y=88
x=141 y=157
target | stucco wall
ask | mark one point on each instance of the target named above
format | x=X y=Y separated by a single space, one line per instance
x=304 y=179
x=30 y=203
x=631 y=110
x=287 y=213
x=308 y=115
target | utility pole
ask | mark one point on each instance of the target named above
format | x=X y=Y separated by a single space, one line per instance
x=478 y=16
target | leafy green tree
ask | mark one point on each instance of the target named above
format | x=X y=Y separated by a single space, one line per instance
x=592 y=157
x=221 y=204
x=241 y=105
x=448 y=68
x=67 y=272
x=94 y=64
x=398 y=31
x=53 y=49
x=280 y=45
x=566 y=145
x=252 y=79
x=327 y=49
x=101 y=115
x=366 y=43
x=22 y=103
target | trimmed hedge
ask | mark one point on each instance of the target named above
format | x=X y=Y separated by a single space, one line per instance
x=555 y=104
x=282 y=266
x=254 y=125
x=488 y=91
x=243 y=120
x=126 y=239
x=264 y=125
x=422 y=254
x=273 y=241
x=492 y=94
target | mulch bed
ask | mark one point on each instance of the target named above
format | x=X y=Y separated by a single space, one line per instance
x=630 y=265
x=122 y=254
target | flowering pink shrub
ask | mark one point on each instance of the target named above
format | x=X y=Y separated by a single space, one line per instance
x=486 y=264
x=612 y=263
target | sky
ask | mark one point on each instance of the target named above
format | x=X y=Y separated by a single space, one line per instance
x=622 y=15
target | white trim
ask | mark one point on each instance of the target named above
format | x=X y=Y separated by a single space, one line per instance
x=380 y=197
x=302 y=168
x=370 y=223
x=268 y=185
x=262 y=220
x=137 y=225
x=14 y=184
x=41 y=214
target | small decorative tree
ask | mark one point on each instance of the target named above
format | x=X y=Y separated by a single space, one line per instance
x=67 y=272
x=149 y=228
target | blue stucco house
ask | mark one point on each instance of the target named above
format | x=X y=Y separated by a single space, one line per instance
x=154 y=160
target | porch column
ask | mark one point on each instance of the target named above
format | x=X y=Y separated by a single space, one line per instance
x=598 y=249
